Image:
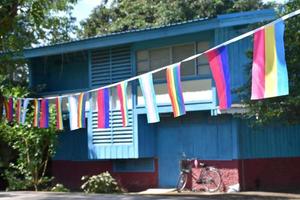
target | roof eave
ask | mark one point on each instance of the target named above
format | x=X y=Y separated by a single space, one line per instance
x=155 y=33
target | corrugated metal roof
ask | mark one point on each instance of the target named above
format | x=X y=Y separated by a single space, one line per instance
x=185 y=27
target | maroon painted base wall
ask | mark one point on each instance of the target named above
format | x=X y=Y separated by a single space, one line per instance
x=69 y=173
x=270 y=174
x=252 y=174
x=228 y=170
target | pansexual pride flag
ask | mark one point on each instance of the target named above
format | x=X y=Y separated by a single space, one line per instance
x=59 y=119
x=122 y=94
x=81 y=110
x=103 y=108
x=146 y=84
x=19 y=110
x=269 y=71
x=218 y=62
x=36 y=113
x=175 y=89
x=44 y=119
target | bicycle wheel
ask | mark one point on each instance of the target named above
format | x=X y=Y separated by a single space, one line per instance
x=211 y=179
x=182 y=181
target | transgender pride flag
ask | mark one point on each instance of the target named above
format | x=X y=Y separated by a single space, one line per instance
x=269 y=71
x=218 y=62
x=146 y=84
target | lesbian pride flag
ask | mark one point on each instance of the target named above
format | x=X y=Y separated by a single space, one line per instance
x=218 y=62
x=269 y=71
x=175 y=89
x=122 y=94
x=9 y=104
x=103 y=108
x=44 y=119
x=19 y=110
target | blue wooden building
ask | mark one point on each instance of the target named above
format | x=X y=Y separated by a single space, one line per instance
x=146 y=155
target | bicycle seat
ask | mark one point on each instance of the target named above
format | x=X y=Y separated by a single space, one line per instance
x=202 y=164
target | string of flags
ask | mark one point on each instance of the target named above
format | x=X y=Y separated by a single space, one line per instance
x=269 y=79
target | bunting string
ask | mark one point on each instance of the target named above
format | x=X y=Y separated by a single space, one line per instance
x=235 y=39
x=269 y=79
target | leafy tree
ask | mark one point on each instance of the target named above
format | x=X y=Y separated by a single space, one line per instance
x=33 y=147
x=124 y=15
x=24 y=23
x=285 y=108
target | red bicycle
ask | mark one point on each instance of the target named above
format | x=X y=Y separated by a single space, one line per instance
x=209 y=176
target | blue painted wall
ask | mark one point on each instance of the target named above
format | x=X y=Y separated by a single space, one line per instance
x=60 y=73
x=146 y=137
x=72 y=145
x=198 y=135
x=271 y=141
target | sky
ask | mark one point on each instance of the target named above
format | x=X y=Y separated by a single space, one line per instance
x=84 y=8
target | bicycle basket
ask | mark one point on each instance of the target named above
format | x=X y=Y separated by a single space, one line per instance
x=185 y=165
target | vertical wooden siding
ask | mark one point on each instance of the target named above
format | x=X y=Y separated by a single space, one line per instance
x=269 y=141
x=198 y=135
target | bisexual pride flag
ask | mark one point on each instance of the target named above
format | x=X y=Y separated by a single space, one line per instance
x=218 y=62
x=103 y=108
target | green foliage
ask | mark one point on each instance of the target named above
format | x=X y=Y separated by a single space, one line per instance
x=29 y=22
x=102 y=183
x=33 y=146
x=59 y=188
x=285 y=108
x=124 y=15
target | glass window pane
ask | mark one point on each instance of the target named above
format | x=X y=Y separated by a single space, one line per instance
x=143 y=66
x=180 y=53
x=142 y=55
x=142 y=62
x=202 y=62
x=159 y=58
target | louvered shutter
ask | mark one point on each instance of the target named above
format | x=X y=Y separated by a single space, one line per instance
x=109 y=66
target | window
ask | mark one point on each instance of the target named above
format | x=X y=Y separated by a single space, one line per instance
x=151 y=59
x=202 y=62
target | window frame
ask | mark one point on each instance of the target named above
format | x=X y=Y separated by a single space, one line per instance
x=196 y=74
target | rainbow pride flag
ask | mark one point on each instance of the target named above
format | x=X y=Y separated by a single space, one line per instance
x=9 y=108
x=122 y=94
x=103 y=108
x=146 y=84
x=175 y=89
x=36 y=113
x=81 y=110
x=218 y=62
x=59 y=119
x=269 y=71
x=44 y=119
x=19 y=110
